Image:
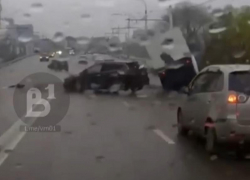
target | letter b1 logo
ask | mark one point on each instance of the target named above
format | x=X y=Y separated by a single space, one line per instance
x=42 y=99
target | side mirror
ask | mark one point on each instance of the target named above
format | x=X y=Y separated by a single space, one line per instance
x=185 y=90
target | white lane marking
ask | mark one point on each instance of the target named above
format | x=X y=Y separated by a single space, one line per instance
x=10 y=139
x=163 y=136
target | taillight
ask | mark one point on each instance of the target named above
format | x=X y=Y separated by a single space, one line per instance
x=163 y=73
x=232 y=98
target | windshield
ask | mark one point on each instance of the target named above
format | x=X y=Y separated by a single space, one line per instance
x=240 y=82
x=100 y=89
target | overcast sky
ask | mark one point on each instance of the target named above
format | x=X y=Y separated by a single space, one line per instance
x=65 y=15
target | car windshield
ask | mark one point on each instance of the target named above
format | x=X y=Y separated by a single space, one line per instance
x=102 y=89
x=240 y=82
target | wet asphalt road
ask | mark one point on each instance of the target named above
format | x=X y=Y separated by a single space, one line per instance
x=106 y=137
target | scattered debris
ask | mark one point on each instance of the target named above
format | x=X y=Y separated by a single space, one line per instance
x=213 y=157
x=8 y=150
x=18 y=86
x=99 y=158
x=58 y=65
x=18 y=165
x=93 y=123
x=151 y=127
x=142 y=96
x=127 y=105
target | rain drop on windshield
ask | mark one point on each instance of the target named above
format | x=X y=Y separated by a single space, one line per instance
x=84 y=16
x=164 y=3
x=59 y=36
x=37 y=7
x=217 y=30
x=239 y=54
x=218 y=14
x=27 y=15
x=24 y=38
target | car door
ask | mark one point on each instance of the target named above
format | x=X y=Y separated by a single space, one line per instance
x=94 y=76
x=191 y=109
x=110 y=74
x=209 y=100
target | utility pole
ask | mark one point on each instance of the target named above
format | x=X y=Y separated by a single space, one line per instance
x=127 y=34
x=128 y=28
x=146 y=19
x=1 y=13
x=170 y=17
x=146 y=14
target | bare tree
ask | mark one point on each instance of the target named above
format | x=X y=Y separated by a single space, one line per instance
x=190 y=18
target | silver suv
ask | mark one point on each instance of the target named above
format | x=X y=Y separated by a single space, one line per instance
x=217 y=106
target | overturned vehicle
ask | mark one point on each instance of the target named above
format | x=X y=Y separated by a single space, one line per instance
x=109 y=76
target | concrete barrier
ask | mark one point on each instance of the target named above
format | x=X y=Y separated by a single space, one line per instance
x=4 y=64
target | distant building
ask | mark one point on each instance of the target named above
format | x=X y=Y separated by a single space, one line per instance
x=16 y=40
x=98 y=45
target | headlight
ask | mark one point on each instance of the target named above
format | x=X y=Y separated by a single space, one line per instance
x=59 y=52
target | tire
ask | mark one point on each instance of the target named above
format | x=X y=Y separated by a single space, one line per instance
x=211 y=142
x=79 y=87
x=135 y=89
x=182 y=131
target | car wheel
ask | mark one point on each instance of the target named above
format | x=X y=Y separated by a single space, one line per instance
x=211 y=143
x=79 y=87
x=134 y=89
x=181 y=129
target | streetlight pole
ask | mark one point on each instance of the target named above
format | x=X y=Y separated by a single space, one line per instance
x=170 y=17
x=146 y=14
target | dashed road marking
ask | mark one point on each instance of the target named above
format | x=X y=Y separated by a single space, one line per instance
x=163 y=136
x=10 y=139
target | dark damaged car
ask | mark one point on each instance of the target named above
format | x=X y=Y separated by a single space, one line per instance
x=112 y=76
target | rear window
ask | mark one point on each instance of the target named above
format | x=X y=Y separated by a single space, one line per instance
x=133 y=66
x=240 y=82
x=112 y=67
